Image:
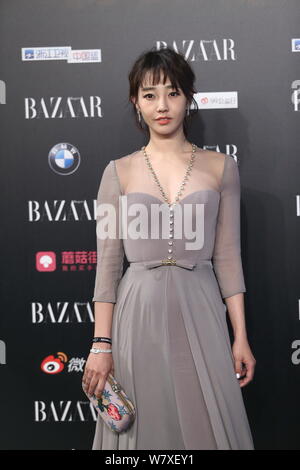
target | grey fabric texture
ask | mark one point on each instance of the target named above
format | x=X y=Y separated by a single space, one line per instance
x=170 y=339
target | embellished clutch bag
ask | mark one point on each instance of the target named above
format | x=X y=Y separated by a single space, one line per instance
x=114 y=406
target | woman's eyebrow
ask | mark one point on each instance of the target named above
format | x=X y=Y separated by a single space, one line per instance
x=153 y=87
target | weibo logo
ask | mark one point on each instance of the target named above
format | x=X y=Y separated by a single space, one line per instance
x=54 y=365
x=45 y=261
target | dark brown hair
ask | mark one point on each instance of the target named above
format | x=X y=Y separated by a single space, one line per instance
x=174 y=66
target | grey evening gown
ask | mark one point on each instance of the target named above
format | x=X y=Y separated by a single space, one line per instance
x=170 y=340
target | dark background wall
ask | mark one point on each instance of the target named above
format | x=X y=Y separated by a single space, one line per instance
x=49 y=313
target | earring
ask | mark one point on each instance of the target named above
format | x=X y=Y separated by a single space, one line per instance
x=188 y=111
x=139 y=115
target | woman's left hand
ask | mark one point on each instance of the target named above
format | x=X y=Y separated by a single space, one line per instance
x=243 y=356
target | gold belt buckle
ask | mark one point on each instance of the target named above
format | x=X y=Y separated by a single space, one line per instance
x=171 y=261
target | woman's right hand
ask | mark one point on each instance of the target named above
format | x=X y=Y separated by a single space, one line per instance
x=97 y=368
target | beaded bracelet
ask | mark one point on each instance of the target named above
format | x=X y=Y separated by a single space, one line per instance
x=96 y=350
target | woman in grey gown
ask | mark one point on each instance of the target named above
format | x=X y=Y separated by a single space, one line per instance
x=176 y=209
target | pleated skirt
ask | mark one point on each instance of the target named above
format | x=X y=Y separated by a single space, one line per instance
x=172 y=355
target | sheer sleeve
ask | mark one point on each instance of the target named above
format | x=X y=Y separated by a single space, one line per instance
x=110 y=251
x=226 y=257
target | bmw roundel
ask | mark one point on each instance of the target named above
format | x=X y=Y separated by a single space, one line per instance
x=64 y=158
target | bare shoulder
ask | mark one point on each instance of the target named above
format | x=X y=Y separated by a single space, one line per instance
x=124 y=166
x=214 y=160
x=125 y=161
x=213 y=156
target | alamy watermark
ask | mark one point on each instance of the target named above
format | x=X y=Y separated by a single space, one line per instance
x=139 y=221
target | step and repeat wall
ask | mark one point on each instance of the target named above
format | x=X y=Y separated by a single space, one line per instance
x=64 y=115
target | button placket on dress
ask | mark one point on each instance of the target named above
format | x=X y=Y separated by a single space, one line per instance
x=170 y=260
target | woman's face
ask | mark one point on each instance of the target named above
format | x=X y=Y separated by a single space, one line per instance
x=159 y=101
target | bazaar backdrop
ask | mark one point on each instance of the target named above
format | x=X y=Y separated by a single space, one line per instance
x=64 y=115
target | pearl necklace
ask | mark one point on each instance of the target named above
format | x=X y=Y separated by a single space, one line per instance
x=188 y=171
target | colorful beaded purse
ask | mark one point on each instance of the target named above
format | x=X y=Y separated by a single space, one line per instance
x=114 y=406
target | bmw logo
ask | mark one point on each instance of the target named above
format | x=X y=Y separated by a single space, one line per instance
x=64 y=158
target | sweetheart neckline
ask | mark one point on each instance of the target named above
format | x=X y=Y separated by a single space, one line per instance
x=180 y=201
